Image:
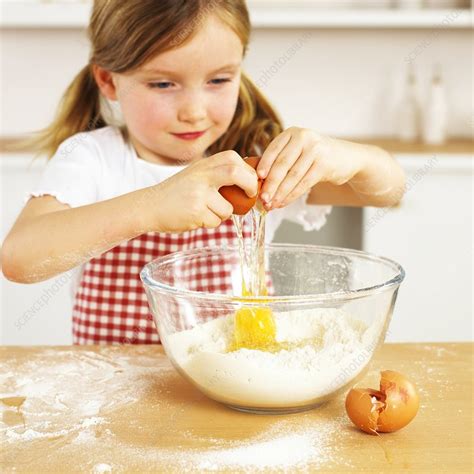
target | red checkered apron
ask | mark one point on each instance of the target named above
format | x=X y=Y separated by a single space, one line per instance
x=110 y=304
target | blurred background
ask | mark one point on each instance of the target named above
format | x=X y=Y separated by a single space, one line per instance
x=397 y=73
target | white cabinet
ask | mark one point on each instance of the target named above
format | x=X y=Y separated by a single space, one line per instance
x=30 y=314
x=430 y=235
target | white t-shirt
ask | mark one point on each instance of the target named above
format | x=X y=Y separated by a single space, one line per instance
x=94 y=166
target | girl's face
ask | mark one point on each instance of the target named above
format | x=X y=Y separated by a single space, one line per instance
x=193 y=88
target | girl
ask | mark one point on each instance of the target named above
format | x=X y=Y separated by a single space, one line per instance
x=144 y=138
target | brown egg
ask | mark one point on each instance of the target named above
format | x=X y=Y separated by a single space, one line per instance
x=237 y=196
x=386 y=410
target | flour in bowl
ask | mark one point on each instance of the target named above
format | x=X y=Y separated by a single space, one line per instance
x=331 y=348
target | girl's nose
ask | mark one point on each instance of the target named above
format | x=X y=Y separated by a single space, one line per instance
x=192 y=109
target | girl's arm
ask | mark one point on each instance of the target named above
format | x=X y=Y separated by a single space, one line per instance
x=50 y=238
x=334 y=172
x=380 y=180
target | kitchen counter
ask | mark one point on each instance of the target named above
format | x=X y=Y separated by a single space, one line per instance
x=126 y=409
x=453 y=146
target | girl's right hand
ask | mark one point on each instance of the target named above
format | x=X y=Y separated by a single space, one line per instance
x=190 y=199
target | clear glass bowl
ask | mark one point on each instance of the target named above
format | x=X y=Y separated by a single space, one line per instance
x=332 y=308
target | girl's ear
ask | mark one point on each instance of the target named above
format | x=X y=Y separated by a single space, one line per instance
x=105 y=82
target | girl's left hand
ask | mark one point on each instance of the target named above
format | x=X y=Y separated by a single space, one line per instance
x=295 y=161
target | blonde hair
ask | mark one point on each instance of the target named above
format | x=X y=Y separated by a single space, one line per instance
x=125 y=34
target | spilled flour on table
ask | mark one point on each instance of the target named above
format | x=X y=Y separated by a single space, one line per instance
x=66 y=385
x=65 y=404
x=289 y=444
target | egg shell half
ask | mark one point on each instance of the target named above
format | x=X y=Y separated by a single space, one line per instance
x=237 y=196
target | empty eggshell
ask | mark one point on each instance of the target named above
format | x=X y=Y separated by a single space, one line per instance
x=386 y=410
x=362 y=406
x=401 y=402
x=237 y=196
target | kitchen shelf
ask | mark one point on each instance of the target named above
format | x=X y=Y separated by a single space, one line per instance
x=311 y=17
x=263 y=15
x=454 y=146
x=44 y=15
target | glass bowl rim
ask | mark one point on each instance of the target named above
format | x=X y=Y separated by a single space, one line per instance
x=345 y=295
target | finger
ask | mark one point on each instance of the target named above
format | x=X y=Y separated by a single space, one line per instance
x=225 y=157
x=313 y=176
x=237 y=173
x=271 y=152
x=232 y=170
x=292 y=179
x=211 y=220
x=220 y=206
x=284 y=162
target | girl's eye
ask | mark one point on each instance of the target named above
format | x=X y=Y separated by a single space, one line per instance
x=219 y=81
x=160 y=85
x=167 y=85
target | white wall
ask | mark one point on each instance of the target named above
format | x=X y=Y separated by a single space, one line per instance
x=341 y=82
x=29 y=314
x=430 y=234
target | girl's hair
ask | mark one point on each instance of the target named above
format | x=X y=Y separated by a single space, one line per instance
x=125 y=34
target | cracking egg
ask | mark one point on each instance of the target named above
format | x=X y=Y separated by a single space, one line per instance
x=237 y=196
x=388 y=409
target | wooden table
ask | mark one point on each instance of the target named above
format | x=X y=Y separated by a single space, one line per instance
x=125 y=409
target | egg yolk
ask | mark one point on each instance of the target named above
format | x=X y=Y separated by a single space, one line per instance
x=254 y=328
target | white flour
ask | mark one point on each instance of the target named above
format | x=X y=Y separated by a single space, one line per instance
x=287 y=378
x=288 y=446
x=68 y=385
x=68 y=403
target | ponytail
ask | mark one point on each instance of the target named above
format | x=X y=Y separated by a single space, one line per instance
x=78 y=111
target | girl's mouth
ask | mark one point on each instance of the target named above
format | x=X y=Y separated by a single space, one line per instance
x=189 y=135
